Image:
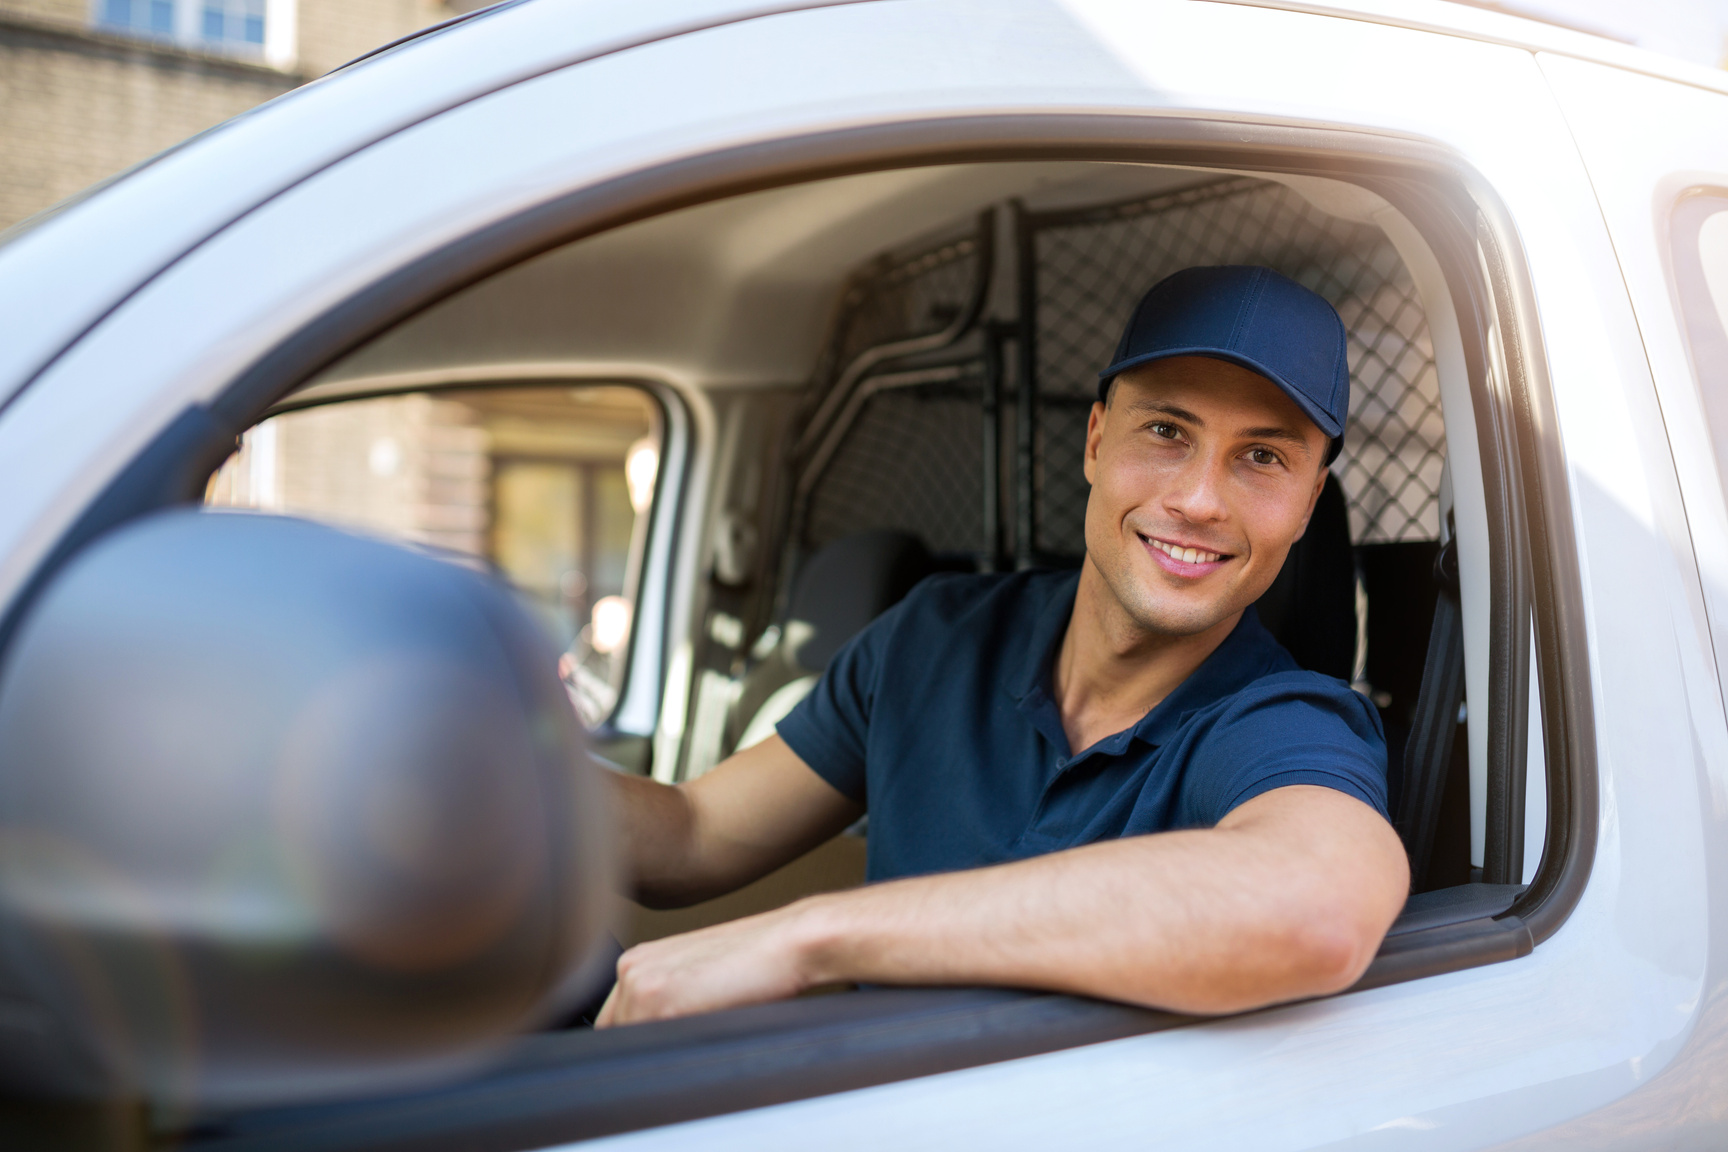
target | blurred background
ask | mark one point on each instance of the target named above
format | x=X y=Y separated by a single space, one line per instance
x=90 y=87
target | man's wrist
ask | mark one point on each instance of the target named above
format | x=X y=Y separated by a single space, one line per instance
x=816 y=937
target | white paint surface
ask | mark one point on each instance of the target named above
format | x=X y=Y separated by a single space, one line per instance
x=1461 y=1060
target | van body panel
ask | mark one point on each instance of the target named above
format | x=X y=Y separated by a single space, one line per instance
x=1467 y=1059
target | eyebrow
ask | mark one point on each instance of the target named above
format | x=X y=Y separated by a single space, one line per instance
x=1269 y=432
x=1275 y=433
x=1162 y=408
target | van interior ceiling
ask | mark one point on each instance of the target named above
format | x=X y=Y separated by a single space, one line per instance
x=889 y=374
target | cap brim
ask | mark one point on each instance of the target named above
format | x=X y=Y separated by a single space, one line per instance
x=1333 y=430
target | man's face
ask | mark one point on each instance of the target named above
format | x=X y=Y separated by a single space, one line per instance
x=1203 y=474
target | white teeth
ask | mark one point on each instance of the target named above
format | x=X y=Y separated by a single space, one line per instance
x=1186 y=555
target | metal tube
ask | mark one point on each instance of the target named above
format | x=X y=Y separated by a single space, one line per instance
x=984 y=248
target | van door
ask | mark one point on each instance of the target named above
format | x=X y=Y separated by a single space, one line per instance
x=1657 y=153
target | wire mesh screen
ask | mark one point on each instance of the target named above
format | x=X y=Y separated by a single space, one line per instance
x=1093 y=265
x=897 y=298
x=913 y=459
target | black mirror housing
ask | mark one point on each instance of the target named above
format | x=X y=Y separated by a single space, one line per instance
x=284 y=812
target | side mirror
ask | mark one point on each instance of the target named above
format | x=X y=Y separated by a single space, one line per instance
x=284 y=812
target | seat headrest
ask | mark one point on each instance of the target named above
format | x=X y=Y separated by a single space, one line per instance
x=845 y=586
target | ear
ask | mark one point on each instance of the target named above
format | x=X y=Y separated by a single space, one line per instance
x=1095 y=436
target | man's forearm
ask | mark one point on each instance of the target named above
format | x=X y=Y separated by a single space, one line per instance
x=753 y=813
x=1080 y=922
x=1281 y=902
x=656 y=833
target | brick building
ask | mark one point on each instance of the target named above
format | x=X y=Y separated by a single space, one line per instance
x=91 y=87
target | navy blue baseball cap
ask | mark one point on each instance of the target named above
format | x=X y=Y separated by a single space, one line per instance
x=1250 y=316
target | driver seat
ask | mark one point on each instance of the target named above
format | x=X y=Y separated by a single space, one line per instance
x=1311 y=607
x=841 y=589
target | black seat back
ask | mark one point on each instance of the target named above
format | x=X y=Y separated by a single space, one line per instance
x=845 y=586
x=838 y=591
x=1311 y=609
x=1311 y=606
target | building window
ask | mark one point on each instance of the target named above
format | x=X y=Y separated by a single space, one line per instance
x=237 y=27
x=233 y=22
x=151 y=17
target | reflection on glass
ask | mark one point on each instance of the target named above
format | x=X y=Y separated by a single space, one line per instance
x=610 y=625
x=641 y=466
x=545 y=486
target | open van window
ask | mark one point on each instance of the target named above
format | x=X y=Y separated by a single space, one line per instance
x=916 y=358
x=884 y=375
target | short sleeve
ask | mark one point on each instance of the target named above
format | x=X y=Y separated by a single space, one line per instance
x=1289 y=728
x=829 y=728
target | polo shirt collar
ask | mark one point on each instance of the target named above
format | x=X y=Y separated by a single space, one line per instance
x=1045 y=639
x=1246 y=654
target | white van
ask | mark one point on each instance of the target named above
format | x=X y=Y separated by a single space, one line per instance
x=707 y=326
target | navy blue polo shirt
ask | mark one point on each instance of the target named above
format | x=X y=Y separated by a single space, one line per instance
x=939 y=717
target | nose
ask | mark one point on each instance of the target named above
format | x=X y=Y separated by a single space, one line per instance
x=1197 y=495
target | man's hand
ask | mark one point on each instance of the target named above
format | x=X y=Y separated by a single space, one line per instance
x=747 y=961
x=1288 y=897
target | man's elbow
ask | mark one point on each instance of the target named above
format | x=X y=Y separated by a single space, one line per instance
x=1335 y=926
x=1329 y=951
x=1315 y=952
x=1334 y=933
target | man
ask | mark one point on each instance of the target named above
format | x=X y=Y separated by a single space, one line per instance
x=1112 y=782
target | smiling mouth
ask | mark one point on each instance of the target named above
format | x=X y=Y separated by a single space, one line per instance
x=1184 y=555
